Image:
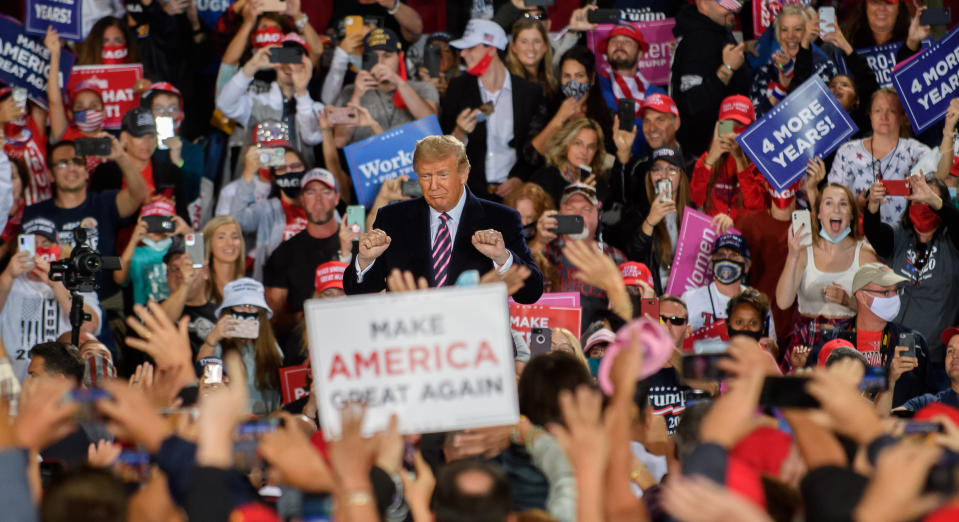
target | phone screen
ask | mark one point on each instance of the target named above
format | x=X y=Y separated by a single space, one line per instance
x=164 y=130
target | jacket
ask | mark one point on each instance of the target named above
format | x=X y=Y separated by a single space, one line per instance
x=748 y=185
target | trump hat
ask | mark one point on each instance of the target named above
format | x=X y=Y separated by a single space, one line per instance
x=329 y=275
x=624 y=29
x=737 y=108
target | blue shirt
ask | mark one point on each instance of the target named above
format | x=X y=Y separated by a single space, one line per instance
x=947 y=397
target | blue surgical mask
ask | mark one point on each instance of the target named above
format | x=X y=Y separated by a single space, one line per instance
x=824 y=235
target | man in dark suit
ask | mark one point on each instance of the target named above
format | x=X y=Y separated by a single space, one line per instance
x=444 y=233
x=494 y=112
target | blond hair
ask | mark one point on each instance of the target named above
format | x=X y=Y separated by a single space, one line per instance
x=559 y=145
x=574 y=342
x=434 y=148
x=213 y=293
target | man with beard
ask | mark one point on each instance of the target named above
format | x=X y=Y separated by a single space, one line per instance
x=708 y=65
x=289 y=273
x=622 y=79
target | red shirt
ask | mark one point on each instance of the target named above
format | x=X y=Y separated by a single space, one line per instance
x=29 y=144
x=295 y=220
x=868 y=343
x=726 y=191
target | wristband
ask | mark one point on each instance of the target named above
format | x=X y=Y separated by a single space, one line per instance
x=394 y=9
x=357 y=498
x=180 y=164
x=728 y=67
x=301 y=21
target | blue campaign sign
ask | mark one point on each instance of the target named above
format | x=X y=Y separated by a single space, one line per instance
x=64 y=15
x=809 y=122
x=210 y=10
x=928 y=81
x=25 y=62
x=882 y=60
x=386 y=156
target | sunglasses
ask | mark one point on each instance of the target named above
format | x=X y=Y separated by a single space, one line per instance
x=76 y=160
x=674 y=320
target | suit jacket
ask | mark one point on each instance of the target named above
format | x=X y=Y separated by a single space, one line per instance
x=529 y=111
x=408 y=225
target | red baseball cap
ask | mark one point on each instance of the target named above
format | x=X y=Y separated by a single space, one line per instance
x=828 y=348
x=294 y=38
x=660 y=103
x=933 y=409
x=624 y=29
x=158 y=207
x=947 y=334
x=329 y=275
x=633 y=273
x=764 y=450
x=162 y=87
x=738 y=108
x=88 y=85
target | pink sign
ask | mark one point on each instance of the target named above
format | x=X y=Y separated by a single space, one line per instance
x=654 y=63
x=691 y=267
x=570 y=299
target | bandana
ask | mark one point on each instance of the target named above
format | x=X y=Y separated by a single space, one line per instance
x=114 y=54
x=924 y=219
x=633 y=87
x=481 y=66
x=267 y=36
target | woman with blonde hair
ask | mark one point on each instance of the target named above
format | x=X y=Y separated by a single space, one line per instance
x=578 y=144
x=225 y=254
x=563 y=340
x=530 y=55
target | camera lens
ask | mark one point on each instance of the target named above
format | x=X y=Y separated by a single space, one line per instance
x=540 y=339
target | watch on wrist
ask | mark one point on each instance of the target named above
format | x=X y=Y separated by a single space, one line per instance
x=301 y=21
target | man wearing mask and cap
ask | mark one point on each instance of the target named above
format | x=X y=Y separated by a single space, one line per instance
x=286 y=100
x=495 y=113
x=621 y=79
x=949 y=395
x=384 y=90
x=876 y=289
x=34 y=309
x=292 y=265
x=708 y=65
x=766 y=234
x=730 y=262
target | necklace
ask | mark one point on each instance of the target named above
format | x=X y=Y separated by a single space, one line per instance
x=877 y=175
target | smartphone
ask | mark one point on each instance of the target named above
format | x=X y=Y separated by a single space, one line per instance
x=650 y=308
x=91 y=146
x=922 y=428
x=411 y=188
x=272 y=156
x=484 y=111
x=626 y=111
x=726 y=127
x=664 y=187
x=909 y=341
x=538 y=3
x=585 y=172
x=370 y=59
x=786 y=392
x=603 y=16
x=164 y=126
x=19 y=95
x=356 y=215
x=342 y=115
x=195 y=248
x=874 y=379
x=568 y=225
x=827 y=19
x=213 y=372
x=159 y=224
x=27 y=243
x=801 y=225
x=273 y=6
x=703 y=366
x=285 y=55
x=432 y=59
x=244 y=328
x=352 y=25
x=540 y=341
x=896 y=187
x=936 y=16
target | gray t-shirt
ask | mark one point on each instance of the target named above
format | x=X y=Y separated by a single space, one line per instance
x=382 y=109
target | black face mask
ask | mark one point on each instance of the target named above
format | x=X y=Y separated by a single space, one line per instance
x=727 y=271
x=529 y=231
x=748 y=333
x=289 y=183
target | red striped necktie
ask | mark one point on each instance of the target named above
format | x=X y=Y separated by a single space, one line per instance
x=442 y=250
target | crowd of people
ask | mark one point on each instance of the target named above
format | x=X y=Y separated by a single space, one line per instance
x=153 y=283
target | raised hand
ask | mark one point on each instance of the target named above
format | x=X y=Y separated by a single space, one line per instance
x=490 y=243
x=372 y=246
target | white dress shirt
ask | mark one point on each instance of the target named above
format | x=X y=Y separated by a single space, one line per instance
x=500 y=157
x=455 y=218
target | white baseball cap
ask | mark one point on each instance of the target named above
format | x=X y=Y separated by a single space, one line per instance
x=481 y=32
x=244 y=291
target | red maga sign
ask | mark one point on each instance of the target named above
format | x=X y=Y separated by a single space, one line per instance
x=116 y=87
x=523 y=318
x=293 y=382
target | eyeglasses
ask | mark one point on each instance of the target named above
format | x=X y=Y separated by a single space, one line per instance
x=166 y=111
x=885 y=293
x=292 y=167
x=674 y=320
x=533 y=16
x=76 y=160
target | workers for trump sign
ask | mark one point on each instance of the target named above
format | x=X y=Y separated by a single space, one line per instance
x=927 y=82
x=809 y=122
x=440 y=359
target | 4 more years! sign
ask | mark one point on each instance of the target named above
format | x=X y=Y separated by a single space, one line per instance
x=441 y=359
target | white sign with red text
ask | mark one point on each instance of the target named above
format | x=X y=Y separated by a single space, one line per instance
x=441 y=359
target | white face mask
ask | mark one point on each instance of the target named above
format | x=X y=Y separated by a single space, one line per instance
x=885 y=308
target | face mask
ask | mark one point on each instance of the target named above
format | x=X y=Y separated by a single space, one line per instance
x=923 y=218
x=88 y=120
x=114 y=54
x=885 y=308
x=576 y=90
x=783 y=199
x=481 y=66
x=160 y=245
x=748 y=333
x=289 y=183
x=727 y=271
x=267 y=36
x=529 y=231
x=824 y=235
x=49 y=254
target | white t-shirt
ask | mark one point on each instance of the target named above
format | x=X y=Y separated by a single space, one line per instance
x=32 y=315
x=707 y=305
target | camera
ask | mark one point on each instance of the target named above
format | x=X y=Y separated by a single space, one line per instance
x=78 y=271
